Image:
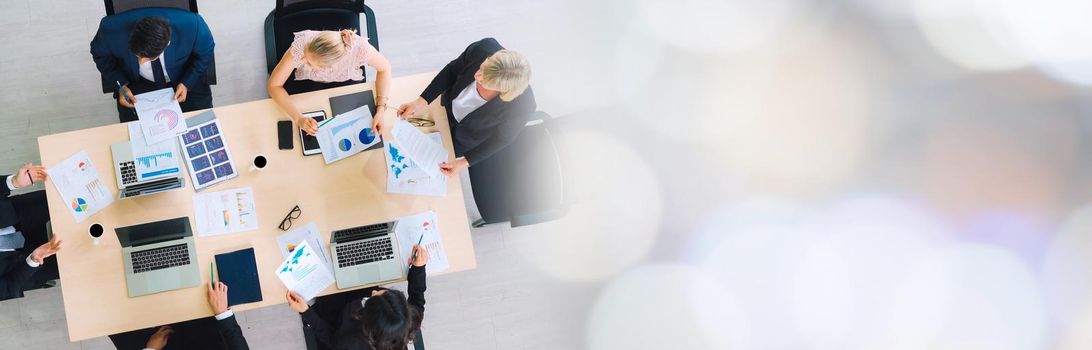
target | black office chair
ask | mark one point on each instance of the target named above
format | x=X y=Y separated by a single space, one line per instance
x=331 y=306
x=119 y=6
x=523 y=184
x=291 y=16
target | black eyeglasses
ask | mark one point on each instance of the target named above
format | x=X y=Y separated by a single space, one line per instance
x=292 y=215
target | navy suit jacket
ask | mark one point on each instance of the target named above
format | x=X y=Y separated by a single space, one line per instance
x=186 y=58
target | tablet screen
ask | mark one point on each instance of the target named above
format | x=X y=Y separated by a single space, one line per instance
x=310 y=143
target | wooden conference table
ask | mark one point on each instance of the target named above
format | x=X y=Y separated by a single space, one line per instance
x=344 y=194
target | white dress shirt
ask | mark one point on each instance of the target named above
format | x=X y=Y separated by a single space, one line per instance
x=11 y=229
x=146 y=69
x=468 y=101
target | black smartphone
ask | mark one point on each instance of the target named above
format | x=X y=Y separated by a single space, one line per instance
x=284 y=134
x=310 y=143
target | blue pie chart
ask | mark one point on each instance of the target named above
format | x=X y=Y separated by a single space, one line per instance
x=366 y=136
x=345 y=145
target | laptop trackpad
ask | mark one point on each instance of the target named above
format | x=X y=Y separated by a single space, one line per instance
x=368 y=274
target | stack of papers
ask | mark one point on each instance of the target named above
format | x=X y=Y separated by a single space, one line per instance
x=160 y=115
x=289 y=242
x=346 y=134
x=423 y=227
x=152 y=161
x=304 y=272
x=224 y=212
x=77 y=181
x=413 y=162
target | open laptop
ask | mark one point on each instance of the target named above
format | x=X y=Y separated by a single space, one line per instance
x=133 y=184
x=366 y=255
x=159 y=256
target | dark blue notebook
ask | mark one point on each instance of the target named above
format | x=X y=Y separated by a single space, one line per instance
x=239 y=272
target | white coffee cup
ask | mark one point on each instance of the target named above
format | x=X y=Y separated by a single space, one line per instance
x=95 y=231
x=259 y=163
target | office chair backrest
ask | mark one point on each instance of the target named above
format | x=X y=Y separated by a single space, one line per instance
x=290 y=16
x=118 y=6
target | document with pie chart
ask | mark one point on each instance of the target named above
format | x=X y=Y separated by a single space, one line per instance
x=77 y=181
x=160 y=115
x=347 y=134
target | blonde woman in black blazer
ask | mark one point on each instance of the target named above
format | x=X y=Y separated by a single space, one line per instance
x=488 y=99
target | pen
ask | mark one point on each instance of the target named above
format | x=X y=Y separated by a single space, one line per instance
x=212 y=278
x=122 y=92
x=327 y=121
x=415 y=253
x=29 y=177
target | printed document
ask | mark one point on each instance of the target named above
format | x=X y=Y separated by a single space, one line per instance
x=346 y=134
x=289 y=242
x=424 y=151
x=405 y=177
x=160 y=115
x=304 y=272
x=77 y=181
x=423 y=227
x=224 y=212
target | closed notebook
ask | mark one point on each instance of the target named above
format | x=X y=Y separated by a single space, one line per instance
x=239 y=272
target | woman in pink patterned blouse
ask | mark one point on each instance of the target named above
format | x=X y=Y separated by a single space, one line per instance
x=329 y=56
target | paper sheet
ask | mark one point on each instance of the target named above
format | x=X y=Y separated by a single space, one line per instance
x=411 y=228
x=77 y=181
x=346 y=134
x=404 y=176
x=304 y=272
x=152 y=161
x=289 y=242
x=207 y=155
x=425 y=152
x=160 y=115
x=224 y=212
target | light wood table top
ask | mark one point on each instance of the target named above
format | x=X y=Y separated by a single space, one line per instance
x=347 y=193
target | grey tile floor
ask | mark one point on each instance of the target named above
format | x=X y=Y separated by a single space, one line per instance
x=51 y=86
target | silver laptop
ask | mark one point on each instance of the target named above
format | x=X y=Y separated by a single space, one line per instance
x=159 y=256
x=367 y=255
x=133 y=184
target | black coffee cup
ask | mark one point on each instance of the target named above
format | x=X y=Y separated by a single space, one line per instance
x=259 y=162
x=95 y=230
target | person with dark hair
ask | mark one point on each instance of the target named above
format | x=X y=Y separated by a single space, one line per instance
x=22 y=226
x=385 y=320
x=149 y=49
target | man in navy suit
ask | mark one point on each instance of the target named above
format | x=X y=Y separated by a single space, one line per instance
x=154 y=48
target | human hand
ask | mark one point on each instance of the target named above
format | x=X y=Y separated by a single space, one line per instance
x=379 y=123
x=180 y=92
x=218 y=298
x=308 y=125
x=421 y=257
x=452 y=168
x=46 y=250
x=410 y=109
x=296 y=302
x=159 y=339
x=126 y=92
x=37 y=173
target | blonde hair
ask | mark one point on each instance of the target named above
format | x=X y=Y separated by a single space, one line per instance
x=506 y=71
x=328 y=47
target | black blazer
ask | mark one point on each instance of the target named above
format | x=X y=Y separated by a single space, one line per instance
x=348 y=337
x=14 y=273
x=8 y=216
x=492 y=126
x=232 y=333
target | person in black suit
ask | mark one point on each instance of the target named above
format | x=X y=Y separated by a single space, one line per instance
x=385 y=320
x=226 y=325
x=153 y=48
x=22 y=224
x=487 y=96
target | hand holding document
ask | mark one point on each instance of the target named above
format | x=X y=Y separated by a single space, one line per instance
x=304 y=272
x=289 y=242
x=160 y=115
x=346 y=134
x=406 y=176
x=424 y=151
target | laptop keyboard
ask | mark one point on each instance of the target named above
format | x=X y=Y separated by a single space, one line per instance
x=128 y=172
x=363 y=252
x=160 y=258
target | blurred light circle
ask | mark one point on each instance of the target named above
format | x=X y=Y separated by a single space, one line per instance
x=1055 y=34
x=798 y=120
x=1068 y=274
x=613 y=223
x=968 y=297
x=666 y=306
x=971 y=33
x=717 y=26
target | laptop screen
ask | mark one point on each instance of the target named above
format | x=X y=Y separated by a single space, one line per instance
x=154 y=232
